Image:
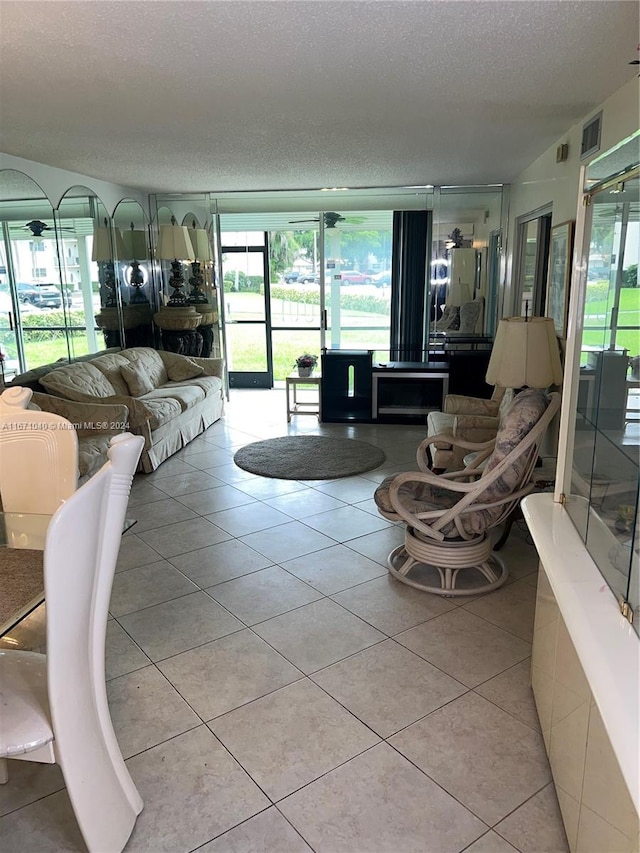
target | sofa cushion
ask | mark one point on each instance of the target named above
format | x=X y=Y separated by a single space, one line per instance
x=209 y=384
x=186 y=395
x=136 y=378
x=76 y=381
x=184 y=369
x=162 y=410
x=150 y=358
x=110 y=365
x=92 y=454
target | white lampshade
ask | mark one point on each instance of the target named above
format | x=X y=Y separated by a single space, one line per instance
x=525 y=353
x=175 y=243
x=200 y=243
x=103 y=249
x=135 y=245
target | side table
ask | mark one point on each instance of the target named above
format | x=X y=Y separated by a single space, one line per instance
x=296 y=406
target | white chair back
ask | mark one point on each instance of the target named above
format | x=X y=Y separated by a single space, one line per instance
x=81 y=549
x=38 y=456
x=79 y=563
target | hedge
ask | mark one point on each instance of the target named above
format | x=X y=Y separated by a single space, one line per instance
x=52 y=318
x=367 y=303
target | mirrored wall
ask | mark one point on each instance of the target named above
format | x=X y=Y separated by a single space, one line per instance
x=254 y=275
x=49 y=284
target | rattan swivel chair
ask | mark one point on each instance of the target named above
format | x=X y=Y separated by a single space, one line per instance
x=449 y=517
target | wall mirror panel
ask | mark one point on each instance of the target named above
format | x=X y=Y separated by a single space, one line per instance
x=465 y=263
x=187 y=317
x=136 y=294
x=82 y=226
x=32 y=303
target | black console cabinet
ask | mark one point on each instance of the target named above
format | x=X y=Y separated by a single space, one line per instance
x=346 y=386
x=356 y=390
x=405 y=392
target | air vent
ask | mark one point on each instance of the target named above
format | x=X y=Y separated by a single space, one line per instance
x=591 y=136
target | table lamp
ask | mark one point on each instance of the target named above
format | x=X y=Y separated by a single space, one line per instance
x=174 y=245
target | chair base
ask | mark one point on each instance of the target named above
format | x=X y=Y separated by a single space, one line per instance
x=448 y=559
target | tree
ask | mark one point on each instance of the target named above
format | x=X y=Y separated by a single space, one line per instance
x=630 y=276
x=358 y=245
x=283 y=250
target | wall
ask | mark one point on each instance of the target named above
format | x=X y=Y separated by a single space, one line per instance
x=547 y=182
x=55 y=182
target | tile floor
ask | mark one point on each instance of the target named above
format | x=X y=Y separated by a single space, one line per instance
x=274 y=690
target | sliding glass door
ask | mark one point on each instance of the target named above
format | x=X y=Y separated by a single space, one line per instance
x=357 y=280
x=305 y=282
x=245 y=289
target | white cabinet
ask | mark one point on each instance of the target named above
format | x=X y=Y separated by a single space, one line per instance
x=462 y=276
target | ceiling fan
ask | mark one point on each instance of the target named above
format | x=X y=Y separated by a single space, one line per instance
x=331 y=219
x=37 y=227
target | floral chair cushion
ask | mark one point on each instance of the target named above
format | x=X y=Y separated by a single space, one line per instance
x=522 y=415
x=416 y=497
x=524 y=412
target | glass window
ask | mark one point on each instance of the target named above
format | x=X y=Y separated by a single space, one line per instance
x=603 y=493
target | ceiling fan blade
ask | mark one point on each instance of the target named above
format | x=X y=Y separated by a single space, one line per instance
x=297 y=221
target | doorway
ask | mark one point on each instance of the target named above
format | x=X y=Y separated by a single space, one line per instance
x=246 y=306
x=532 y=262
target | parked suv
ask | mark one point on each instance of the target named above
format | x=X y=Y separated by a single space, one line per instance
x=41 y=295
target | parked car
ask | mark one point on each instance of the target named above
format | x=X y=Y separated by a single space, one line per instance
x=41 y=295
x=354 y=277
x=308 y=278
x=381 y=279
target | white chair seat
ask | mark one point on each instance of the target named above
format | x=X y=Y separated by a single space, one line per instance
x=24 y=711
x=440 y=422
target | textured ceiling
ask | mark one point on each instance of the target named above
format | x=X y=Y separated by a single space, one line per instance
x=223 y=96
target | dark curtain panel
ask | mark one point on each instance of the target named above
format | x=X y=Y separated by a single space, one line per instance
x=409 y=288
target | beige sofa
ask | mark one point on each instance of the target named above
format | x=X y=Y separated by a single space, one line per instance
x=94 y=425
x=169 y=398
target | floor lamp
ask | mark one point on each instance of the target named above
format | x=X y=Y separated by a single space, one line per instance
x=525 y=354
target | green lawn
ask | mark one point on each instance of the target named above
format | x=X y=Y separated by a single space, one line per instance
x=246 y=343
x=598 y=313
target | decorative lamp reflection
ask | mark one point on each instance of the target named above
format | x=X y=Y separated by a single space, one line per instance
x=103 y=253
x=135 y=243
x=174 y=245
x=202 y=253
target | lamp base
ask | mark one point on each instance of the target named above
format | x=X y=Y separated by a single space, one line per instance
x=178 y=297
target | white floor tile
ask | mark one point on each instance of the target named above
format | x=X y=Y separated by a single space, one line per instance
x=222 y=529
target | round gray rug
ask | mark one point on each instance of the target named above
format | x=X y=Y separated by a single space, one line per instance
x=308 y=457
